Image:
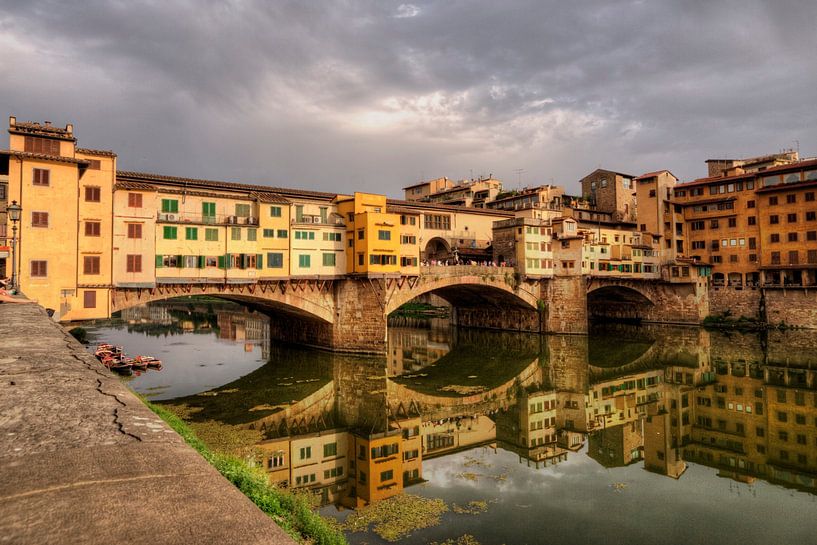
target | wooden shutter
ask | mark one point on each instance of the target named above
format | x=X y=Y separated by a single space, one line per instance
x=259 y=261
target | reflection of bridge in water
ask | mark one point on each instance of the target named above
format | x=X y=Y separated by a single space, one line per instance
x=652 y=395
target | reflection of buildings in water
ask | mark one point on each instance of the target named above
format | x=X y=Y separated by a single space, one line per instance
x=245 y=326
x=746 y=419
x=411 y=349
x=151 y=313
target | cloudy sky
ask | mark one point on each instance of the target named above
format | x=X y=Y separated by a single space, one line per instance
x=376 y=95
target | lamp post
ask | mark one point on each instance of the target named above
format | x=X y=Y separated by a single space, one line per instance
x=14 y=210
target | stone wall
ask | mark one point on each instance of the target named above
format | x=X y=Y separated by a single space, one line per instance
x=734 y=302
x=565 y=305
x=794 y=307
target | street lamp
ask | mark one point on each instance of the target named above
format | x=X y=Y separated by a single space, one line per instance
x=14 y=210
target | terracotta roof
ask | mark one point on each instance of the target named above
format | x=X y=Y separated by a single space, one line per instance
x=446 y=208
x=656 y=173
x=124 y=175
x=102 y=152
x=134 y=185
x=610 y=171
x=760 y=173
x=34 y=128
x=45 y=157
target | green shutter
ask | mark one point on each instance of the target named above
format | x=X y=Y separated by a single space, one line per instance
x=201 y=259
x=259 y=261
x=159 y=261
x=222 y=262
x=179 y=263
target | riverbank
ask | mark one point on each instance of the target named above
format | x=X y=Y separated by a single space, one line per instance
x=83 y=460
x=292 y=511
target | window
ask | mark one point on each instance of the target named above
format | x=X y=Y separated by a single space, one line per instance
x=752 y=243
x=39 y=269
x=283 y=233
x=750 y=204
x=208 y=211
x=252 y=234
x=170 y=206
x=191 y=233
x=90 y=264
x=794 y=257
x=774 y=219
x=169 y=232
x=235 y=233
x=791 y=199
x=275 y=260
x=330 y=449
x=328 y=260
x=698 y=244
x=772 y=201
x=39 y=219
x=134 y=230
x=134 y=263
x=774 y=237
x=135 y=200
x=306 y=453
x=275 y=211
x=752 y=220
x=211 y=234
x=47 y=146
x=437 y=221
x=713 y=224
x=304 y=261
x=360 y=234
x=383 y=235
x=775 y=258
x=792 y=237
x=810 y=196
x=387 y=476
x=242 y=210
x=791 y=218
x=42 y=177
x=695 y=226
x=92 y=228
x=92 y=194
x=811 y=216
x=733 y=222
x=89 y=299
x=385 y=450
x=334 y=237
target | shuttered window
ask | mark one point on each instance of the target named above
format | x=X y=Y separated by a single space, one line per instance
x=134 y=264
x=42 y=177
x=92 y=228
x=39 y=219
x=135 y=200
x=89 y=299
x=134 y=230
x=46 y=146
x=39 y=268
x=92 y=194
x=90 y=264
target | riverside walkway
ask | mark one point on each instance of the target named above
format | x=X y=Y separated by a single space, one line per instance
x=83 y=460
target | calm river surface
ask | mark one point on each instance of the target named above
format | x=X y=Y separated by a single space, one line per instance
x=634 y=434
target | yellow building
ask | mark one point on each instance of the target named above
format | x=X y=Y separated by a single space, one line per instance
x=378 y=467
x=373 y=244
x=64 y=252
x=526 y=244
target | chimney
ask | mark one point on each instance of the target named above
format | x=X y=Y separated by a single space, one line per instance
x=12 y=121
x=47 y=123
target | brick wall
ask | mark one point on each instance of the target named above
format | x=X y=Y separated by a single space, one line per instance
x=743 y=302
x=794 y=307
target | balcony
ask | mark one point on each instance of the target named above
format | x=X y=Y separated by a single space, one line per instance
x=306 y=219
x=217 y=219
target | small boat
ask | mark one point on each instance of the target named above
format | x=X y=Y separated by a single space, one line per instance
x=151 y=361
x=122 y=367
x=139 y=363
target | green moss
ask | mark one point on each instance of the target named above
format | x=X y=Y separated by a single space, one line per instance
x=291 y=511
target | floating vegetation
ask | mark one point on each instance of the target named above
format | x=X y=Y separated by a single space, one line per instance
x=468 y=476
x=398 y=516
x=475 y=462
x=473 y=508
x=462 y=390
x=465 y=539
x=618 y=487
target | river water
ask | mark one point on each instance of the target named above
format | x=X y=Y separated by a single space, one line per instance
x=633 y=434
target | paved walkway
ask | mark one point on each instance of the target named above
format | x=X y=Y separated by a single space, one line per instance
x=82 y=460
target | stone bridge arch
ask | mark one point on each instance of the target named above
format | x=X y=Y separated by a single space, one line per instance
x=491 y=287
x=306 y=300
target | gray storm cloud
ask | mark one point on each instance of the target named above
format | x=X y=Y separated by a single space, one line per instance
x=376 y=95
